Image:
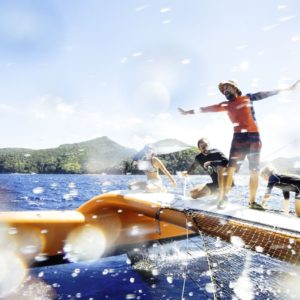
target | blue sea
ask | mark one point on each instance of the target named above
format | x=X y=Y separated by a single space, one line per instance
x=194 y=268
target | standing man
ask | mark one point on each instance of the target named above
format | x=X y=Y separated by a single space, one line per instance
x=246 y=140
x=214 y=162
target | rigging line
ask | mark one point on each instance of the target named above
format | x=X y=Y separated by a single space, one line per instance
x=186 y=264
x=212 y=278
x=187 y=244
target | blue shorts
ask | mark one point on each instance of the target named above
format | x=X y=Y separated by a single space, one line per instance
x=245 y=144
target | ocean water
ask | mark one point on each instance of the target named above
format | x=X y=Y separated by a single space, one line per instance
x=194 y=268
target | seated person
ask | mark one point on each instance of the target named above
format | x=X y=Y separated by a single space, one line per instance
x=286 y=182
x=214 y=162
x=151 y=165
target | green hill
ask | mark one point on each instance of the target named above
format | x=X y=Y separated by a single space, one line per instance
x=102 y=155
x=94 y=156
x=286 y=165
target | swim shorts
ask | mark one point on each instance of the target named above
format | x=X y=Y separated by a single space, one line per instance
x=245 y=144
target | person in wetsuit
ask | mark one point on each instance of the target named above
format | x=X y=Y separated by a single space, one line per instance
x=246 y=139
x=150 y=164
x=214 y=162
x=286 y=182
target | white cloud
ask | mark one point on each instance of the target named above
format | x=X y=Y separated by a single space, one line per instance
x=140 y=8
x=123 y=60
x=244 y=66
x=7 y=108
x=295 y=38
x=186 y=61
x=38 y=114
x=139 y=141
x=270 y=27
x=284 y=19
x=163 y=116
x=165 y=10
x=65 y=108
x=136 y=54
x=50 y=107
x=134 y=121
x=273 y=121
x=151 y=97
x=167 y=21
x=241 y=47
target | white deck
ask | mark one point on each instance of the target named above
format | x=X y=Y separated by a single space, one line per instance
x=273 y=219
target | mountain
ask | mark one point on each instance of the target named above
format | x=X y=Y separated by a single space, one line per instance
x=167 y=146
x=93 y=156
x=100 y=154
x=281 y=164
x=162 y=147
x=176 y=155
x=286 y=165
x=104 y=155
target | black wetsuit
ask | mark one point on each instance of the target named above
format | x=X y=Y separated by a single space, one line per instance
x=286 y=182
x=217 y=159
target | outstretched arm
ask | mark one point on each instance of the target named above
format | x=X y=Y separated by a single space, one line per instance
x=212 y=108
x=188 y=112
x=292 y=87
x=263 y=95
x=159 y=164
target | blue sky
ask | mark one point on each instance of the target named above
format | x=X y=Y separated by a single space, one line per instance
x=75 y=70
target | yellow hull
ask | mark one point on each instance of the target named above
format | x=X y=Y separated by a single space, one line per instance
x=118 y=222
x=108 y=221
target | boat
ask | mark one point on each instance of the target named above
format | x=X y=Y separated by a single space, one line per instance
x=122 y=221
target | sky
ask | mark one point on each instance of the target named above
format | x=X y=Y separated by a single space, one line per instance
x=75 y=70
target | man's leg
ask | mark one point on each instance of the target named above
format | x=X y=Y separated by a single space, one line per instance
x=254 y=159
x=200 y=191
x=253 y=185
x=286 y=206
x=227 y=179
x=297 y=205
x=236 y=157
x=221 y=179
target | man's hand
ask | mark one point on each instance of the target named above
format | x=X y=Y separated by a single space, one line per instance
x=185 y=112
x=206 y=164
x=293 y=87
x=174 y=184
x=184 y=173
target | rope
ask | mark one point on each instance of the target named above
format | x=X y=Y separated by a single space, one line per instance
x=185 y=272
x=188 y=213
x=187 y=243
x=212 y=278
